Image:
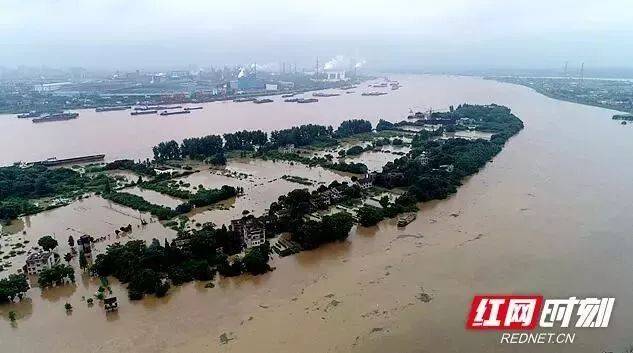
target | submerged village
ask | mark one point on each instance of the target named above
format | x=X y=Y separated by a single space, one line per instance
x=226 y=205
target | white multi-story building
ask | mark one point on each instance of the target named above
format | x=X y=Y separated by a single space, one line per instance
x=254 y=234
x=334 y=76
x=40 y=260
x=252 y=230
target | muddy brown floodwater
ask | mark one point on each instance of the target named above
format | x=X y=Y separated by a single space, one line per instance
x=550 y=215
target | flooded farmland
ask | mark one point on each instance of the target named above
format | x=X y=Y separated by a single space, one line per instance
x=529 y=222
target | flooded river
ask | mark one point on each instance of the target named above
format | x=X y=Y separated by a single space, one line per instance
x=550 y=215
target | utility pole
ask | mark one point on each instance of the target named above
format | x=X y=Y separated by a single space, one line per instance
x=316 y=75
x=565 y=72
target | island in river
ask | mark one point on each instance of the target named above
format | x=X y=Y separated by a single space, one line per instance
x=375 y=279
x=432 y=169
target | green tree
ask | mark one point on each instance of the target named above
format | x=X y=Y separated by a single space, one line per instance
x=83 y=262
x=384 y=201
x=47 y=242
x=355 y=150
x=256 y=259
x=369 y=215
x=56 y=275
x=14 y=286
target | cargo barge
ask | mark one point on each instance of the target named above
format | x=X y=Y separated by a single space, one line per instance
x=373 y=94
x=165 y=112
x=53 y=162
x=193 y=108
x=109 y=109
x=307 y=100
x=144 y=112
x=319 y=94
x=56 y=117
x=158 y=107
x=241 y=100
x=261 y=101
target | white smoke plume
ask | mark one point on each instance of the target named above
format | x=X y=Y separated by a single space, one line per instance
x=341 y=62
x=338 y=62
x=360 y=63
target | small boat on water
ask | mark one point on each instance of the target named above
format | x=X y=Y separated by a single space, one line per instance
x=165 y=112
x=261 y=101
x=406 y=218
x=109 y=109
x=144 y=112
x=55 y=117
x=193 y=108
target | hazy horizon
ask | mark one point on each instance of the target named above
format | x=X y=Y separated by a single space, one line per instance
x=393 y=35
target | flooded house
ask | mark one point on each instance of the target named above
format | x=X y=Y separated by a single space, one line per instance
x=251 y=229
x=85 y=244
x=326 y=198
x=110 y=304
x=289 y=148
x=367 y=181
x=38 y=261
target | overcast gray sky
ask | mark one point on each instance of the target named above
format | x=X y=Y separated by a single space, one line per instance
x=130 y=34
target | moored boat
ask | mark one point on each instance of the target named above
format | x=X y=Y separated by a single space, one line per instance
x=55 y=117
x=108 y=109
x=52 y=162
x=31 y=114
x=406 y=218
x=241 y=100
x=165 y=112
x=143 y=112
x=321 y=94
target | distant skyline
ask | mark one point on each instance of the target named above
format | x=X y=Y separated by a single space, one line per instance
x=388 y=35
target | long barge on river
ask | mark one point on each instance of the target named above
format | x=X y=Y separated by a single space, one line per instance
x=53 y=162
x=109 y=109
x=55 y=117
x=143 y=112
x=164 y=113
x=157 y=107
